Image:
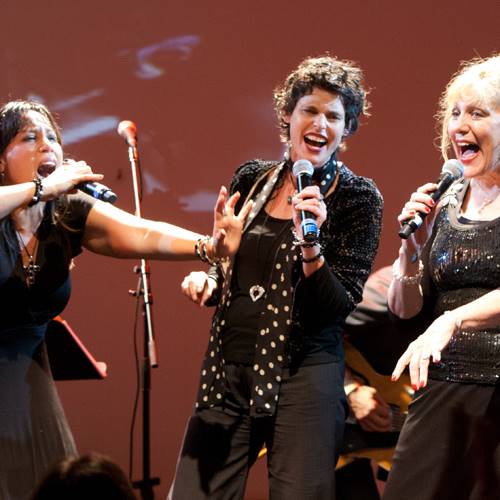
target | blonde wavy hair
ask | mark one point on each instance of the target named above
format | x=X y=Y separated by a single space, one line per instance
x=478 y=78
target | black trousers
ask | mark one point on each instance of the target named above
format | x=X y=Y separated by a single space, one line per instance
x=449 y=446
x=302 y=439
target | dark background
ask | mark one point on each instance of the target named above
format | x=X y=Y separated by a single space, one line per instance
x=197 y=79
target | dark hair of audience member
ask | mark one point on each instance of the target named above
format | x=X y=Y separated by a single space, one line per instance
x=91 y=476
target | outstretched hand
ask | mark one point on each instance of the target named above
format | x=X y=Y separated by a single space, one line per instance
x=429 y=344
x=228 y=226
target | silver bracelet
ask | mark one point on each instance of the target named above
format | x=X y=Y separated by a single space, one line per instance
x=407 y=280
x=200 y=249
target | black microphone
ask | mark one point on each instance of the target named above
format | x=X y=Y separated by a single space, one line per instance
x=451 y=171
x=128 y=130
x=303 y=171
x=99 y=191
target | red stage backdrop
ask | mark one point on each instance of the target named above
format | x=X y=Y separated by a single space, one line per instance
x=197 y=79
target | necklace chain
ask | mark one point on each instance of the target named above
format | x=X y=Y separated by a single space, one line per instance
x=488 y=199
x=257 y=290
x=32 y=268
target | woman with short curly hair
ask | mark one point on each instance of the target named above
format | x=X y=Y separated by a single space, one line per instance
x=273 y=372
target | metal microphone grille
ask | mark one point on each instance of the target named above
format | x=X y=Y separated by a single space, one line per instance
x=454 y=168
x=302 y=167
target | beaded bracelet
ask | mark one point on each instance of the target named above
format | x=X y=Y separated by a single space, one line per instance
x=407 y=280
x=200 y=248
x=312 y=259
x=38 y=192
x=301 y=242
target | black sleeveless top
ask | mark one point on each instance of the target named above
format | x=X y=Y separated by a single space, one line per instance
x=463 y=265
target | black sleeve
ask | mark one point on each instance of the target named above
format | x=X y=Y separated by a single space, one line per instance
x=242 y=181
x=350 y=242
x=245 y=177
x=214 y=272
x=73 y=219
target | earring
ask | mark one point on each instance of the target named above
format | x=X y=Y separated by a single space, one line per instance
x=286 y=154
x=2 y=177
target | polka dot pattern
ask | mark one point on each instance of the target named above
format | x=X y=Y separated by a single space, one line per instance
x=275 y=322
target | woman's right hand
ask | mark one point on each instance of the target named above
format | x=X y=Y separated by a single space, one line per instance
x=420 y=201
x=66 y=177
x=198 y=286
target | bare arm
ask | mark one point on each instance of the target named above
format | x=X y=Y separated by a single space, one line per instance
x=62 y=180
x=405 y=297
x=14 y=197
x=114 y=232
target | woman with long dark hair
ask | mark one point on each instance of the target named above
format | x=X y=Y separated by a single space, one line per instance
x=44 y=224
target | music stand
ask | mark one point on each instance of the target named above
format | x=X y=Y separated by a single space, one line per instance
x=69 y=359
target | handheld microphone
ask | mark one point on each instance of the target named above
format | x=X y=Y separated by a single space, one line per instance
x=98 y=191
x=303 y=171
x=451 y=171
x=128 y=130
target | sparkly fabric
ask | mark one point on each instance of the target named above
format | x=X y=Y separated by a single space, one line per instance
x=297 y=310
x=464 y=264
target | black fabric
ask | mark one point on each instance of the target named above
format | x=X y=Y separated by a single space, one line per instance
x=33 y=428
x=301 y=318
x=449 y=448
x=220 y=445
x=292 y=398
x=253 y=264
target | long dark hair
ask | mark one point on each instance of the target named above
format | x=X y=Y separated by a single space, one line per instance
x=13 y=118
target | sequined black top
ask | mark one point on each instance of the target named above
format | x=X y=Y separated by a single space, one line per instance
x=463 y=264
x=300 y=317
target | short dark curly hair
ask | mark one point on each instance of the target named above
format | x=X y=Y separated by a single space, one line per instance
x=327 y=73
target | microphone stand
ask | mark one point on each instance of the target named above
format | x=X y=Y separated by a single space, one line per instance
x=145 y=485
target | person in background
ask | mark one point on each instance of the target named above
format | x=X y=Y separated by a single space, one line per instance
x=44 y=224
x=449 y=271
x=273 y=371
x=87 y=477
x=373 y=341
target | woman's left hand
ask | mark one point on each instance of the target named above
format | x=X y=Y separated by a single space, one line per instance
x=309 y=199
x=228 y=226
x=429 y=344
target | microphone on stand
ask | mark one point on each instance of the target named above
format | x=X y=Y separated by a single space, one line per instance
x=303 y=171
x=451 y=171
x=128 y=130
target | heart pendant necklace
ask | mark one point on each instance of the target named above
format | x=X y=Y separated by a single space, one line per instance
x=256 y=292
